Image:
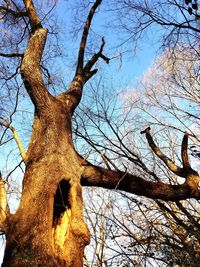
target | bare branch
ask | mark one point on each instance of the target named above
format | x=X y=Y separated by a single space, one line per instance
x=71 y=98
x=90 y=74
x=16 y=14
x=107 y=161
x=189 y=215
x=85 y=36
x=17 y=139
x=33 y=16
x=168 y=162
x=95 y=58
x=192 y=177
x=100 y=177
x=11 y=55
x=30 y=67
x=184 y=153
x=31 y=70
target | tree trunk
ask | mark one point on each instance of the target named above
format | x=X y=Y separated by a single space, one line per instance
x=48 y=228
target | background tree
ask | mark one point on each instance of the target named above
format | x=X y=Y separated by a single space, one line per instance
x=168 y=104
x=140 y=231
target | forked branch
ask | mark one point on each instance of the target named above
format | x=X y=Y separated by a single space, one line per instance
x=87 y=69
x=192 y=178
x=168 y=162
x=85 y=36
x=71 y=98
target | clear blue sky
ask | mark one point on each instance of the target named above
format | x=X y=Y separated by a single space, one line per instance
x=134 y=63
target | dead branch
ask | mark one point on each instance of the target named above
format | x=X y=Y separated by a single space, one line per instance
x=85 y=36
x=100 y=177
x=184 y=151
x=192 y=178
x=168 y=162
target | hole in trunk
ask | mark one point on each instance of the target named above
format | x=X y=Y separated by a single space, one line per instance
x=61 y=201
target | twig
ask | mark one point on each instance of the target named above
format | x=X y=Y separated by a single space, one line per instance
x=17 y=139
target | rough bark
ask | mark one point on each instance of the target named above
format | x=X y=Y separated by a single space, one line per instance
x=48 y=228
x=110 y=179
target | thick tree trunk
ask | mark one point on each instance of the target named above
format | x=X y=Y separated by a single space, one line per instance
x=48 y=228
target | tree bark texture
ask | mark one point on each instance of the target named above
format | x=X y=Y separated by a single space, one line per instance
x=48 y=228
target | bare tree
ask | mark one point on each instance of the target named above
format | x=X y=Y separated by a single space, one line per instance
x=178 y=21
x=48 y=228
x=164 y=234
x=152 y=234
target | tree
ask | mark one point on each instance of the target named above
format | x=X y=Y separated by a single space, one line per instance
x=166 y=234
x=147 y=233
x=48 y=228
x=143 y=230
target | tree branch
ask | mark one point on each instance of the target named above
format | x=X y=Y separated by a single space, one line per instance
x=168 y=162
x=17 y=139
x=16 y=14
x=94 y=59
x=31 y=70
x=184 y=153
x=33 y=16
x=110 y=179
x=30 y=67
x=189 y=216
x=107 y=160
x=192 y=177
x=11 y=55
x=72 y=96
x=85 y=36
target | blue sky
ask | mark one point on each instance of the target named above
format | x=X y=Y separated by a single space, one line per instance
x=133 y=62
